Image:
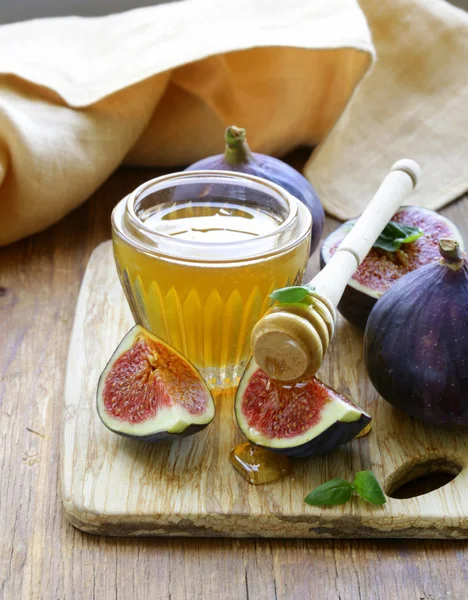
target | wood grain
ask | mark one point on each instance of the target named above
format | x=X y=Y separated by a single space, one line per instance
x=43 y=556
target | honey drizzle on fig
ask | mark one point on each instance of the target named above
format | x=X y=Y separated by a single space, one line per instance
x=364 y=432
x=258 y=465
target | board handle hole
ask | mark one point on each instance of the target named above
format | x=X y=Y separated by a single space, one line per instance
x=417 y=478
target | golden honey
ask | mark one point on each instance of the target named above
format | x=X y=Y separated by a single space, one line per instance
x=258 y=465
x=198 y=255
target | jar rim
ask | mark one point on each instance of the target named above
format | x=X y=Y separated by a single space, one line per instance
x=238 y=249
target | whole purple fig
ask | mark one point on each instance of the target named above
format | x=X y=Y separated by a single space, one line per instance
x=238 y=157
x=416 y=340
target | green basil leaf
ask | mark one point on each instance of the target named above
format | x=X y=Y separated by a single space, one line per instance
x=396 y=234
x=293 y=294
x=331 y=493
x=367 y=486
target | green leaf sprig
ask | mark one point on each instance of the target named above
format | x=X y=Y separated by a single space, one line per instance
x=293 y=294
x=396 y=234
x=339 y=491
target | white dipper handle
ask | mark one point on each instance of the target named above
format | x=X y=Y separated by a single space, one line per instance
x=289 y=344
x=394 y=189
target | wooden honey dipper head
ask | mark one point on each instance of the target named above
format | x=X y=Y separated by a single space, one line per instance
x=290 y=341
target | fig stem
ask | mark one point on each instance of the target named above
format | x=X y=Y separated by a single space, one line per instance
x=237 y=149
x=450 y=250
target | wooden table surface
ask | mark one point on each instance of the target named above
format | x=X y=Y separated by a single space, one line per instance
x=43 y=556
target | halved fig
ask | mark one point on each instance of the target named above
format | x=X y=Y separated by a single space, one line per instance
x=298 y=419
x=148 y=391
x=381 y=268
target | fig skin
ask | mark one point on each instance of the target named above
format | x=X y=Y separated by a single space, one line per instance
x=159 y=436
x=356 y=306
x=332 y=438
x=238 y=157
x=416 y=344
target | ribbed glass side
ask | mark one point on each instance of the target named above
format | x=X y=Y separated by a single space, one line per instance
x=205 y=311
x=211 y=329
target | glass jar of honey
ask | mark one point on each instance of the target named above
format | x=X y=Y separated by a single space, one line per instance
x=198 y=254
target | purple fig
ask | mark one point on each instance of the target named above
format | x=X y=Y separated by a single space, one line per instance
x=416 y=340
x=238 y=157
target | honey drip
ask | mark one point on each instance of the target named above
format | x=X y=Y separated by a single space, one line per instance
x=365 y=431
x=258 y=465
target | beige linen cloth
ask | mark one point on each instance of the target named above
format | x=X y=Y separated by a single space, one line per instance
x=157 y=86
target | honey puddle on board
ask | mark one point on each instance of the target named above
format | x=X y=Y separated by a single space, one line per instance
x=258 y=465
x=365 y=431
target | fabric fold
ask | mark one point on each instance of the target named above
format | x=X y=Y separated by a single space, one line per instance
x=157 y=86
x=413 y=103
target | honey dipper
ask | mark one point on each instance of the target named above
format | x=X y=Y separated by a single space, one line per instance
x=289 y=343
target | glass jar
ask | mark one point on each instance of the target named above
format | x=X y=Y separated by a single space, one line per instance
x=198 y=254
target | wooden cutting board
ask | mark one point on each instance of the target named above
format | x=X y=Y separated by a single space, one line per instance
x=116 y=486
